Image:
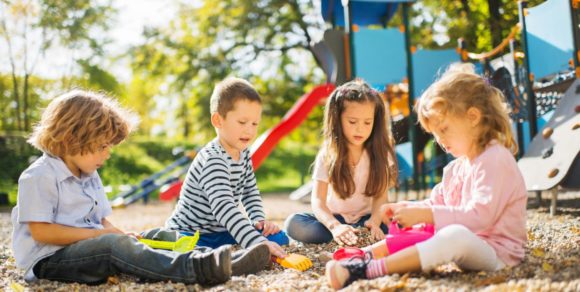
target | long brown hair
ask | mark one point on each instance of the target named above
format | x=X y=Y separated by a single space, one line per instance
x=460 y=89
x=379 y=145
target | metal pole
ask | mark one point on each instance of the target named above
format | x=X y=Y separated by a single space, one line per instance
x=412 y=115
x=348 y=41
x=574 y=7
x=529 y=94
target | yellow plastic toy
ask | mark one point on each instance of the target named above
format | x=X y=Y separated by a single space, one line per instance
x=183 y=244
x=295 y=261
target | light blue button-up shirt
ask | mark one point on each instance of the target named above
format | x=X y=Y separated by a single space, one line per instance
x=49 y=192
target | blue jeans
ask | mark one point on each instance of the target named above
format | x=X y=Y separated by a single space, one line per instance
x=92 y=261
x=217 y=239
x=306 y=228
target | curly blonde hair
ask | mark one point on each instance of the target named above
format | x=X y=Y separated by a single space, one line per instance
x=80 y=122
x=460 y=89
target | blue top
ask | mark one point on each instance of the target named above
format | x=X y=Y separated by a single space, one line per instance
x=363 y=12
x=49 y=192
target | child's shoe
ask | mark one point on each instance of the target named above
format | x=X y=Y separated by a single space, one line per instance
x=347 y=253
x=213 y=267
x=342 y=273
x=251 y=260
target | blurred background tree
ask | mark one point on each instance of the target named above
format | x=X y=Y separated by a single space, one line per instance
x=172 y=71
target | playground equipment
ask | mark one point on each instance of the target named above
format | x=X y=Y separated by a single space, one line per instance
x=384 y=56
x=264 y=144
x=154 y=182
x=551 y=48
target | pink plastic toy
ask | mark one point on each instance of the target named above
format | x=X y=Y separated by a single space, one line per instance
x=399 y=239
x=347 y=253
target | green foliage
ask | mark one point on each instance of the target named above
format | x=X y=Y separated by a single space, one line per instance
x=15 y=156
x=287 y=168
x=29 y=30
x=219 y=38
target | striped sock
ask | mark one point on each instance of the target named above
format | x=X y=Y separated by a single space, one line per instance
x=376 y=268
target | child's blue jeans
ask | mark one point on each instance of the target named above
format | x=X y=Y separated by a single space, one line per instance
x=217 y=239
x=304 y=227
x=93 y=260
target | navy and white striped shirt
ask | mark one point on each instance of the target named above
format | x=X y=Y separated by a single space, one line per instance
x=213 y=188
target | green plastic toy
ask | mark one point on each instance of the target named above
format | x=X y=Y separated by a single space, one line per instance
x=183 y=244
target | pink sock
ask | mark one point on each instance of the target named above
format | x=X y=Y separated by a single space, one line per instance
x=376 y=268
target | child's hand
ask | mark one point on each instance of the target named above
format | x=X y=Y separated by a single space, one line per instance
x=389 y=210
x=376 y=231
x=344 y=234
x=409 y=216
x=267 y=227
x=275 y=249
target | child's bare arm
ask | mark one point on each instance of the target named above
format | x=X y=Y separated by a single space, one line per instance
x=51 y=233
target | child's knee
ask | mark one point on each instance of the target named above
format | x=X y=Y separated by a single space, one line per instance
x=294 y=225
x=456 y=237
x=115 y=241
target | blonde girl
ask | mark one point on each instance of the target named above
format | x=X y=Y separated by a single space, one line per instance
x=479 y=208
x=353 y=170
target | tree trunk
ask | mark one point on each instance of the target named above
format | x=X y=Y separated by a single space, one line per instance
x=494 y=21
x=465 y=7
x=186 y=125
x=25 y=100
x=16 y=101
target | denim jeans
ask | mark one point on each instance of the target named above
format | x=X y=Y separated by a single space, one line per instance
x=217 y=239
x=304 y=227
x=92 y=261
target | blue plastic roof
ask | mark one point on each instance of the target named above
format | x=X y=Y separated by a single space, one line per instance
x=363 y=12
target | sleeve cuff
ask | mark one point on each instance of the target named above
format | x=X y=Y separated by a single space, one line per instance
x=36 y=217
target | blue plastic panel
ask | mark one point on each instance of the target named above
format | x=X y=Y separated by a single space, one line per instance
x=526 y=129
x=379 y=55
x=362 y=13
x=550 y=40
x=428 y=65
x=404 y=152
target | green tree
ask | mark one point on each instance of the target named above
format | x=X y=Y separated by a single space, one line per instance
x=33 y=30
x=265 y=41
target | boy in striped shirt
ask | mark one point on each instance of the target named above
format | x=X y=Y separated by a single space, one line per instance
x=222 y=175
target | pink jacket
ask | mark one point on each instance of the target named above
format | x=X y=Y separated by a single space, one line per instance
x=488 y=196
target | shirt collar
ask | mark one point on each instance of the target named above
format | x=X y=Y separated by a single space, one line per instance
x=62 y=172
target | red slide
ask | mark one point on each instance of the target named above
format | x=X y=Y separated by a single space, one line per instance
x=294 y=117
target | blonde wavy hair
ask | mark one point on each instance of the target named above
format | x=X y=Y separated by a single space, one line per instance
x=80 y=122
x=460 y=89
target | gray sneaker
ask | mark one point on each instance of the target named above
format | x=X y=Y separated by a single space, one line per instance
x=214 y=266
x=251 y=260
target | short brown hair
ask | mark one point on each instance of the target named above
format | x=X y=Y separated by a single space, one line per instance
x=79 y=122
x=230 y=90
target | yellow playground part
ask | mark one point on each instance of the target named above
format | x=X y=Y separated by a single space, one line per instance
x=183 y=244
x=295 y=261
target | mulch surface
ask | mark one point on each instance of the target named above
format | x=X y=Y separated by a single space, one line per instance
x=552 y=261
